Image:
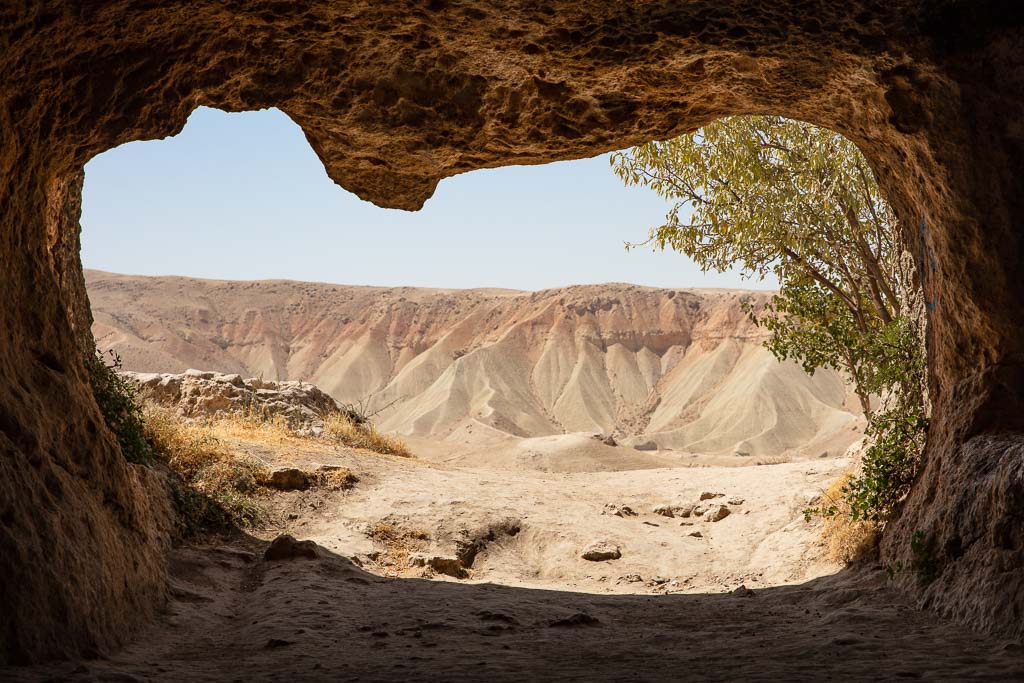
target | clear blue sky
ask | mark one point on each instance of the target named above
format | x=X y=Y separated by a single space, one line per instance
x=243 y=196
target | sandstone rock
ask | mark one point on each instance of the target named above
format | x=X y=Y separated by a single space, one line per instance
x=696 y=534
x=618 y=510
x=196 y=393
x=285 y=547
x=743 y=592
x=708 y=495
x=601 y=551
x=646 y=446
x=735 y=500
x=717 y=513
x=674 y=510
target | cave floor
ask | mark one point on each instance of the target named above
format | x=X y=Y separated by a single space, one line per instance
x=235 y=616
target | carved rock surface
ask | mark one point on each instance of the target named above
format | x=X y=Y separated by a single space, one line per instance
x=395 y=96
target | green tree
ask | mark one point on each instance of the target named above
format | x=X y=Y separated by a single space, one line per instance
x=770 y=195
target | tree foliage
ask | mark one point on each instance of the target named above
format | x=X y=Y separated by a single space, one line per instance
x=118 y=400
x=770 y=195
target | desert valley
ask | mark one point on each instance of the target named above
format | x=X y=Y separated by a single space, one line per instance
x=572 y=451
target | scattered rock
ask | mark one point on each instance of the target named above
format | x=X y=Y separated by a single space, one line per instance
x=699 y=510
x=696 y=534
x=650 y=523
x=707 y=495
x=646 y=446
x=618 y=510
x=717 y=513
x=285 y=547
x=735 y=501
x=743 y=454
x=609 y=441
x=630 y=578
x=823 y=454
x=601 y=551
x=674 y=510
x=658 y=580
x=743 y=592
x=289 y=479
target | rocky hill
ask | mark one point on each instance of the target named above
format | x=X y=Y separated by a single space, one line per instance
x=668 y=369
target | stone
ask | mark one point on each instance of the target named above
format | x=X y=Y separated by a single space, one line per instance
x=285 y=547
x=743 y=592
x=708 y=495
x=717 y=513
x=735 y=500
x=674 y=510
x=601 y=551
x=610 y=441
x=696 y=534
x=203 y=394
x=618 y=510
x=646 y=446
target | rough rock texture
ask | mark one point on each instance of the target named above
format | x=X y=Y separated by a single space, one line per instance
x=393 y=97
x=196 y=393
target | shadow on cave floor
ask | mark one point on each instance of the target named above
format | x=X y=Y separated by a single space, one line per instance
x=235 y=616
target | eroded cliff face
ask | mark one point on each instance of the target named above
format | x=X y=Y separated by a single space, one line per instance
x=395 y=96
x=684 y=369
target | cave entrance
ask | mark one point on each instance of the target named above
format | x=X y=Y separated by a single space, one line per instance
x=568 y=428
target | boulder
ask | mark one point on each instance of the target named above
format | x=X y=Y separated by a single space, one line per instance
x=601 y=551
x=646 y=446
x=717 y=513
x=708 y=495
x=285 y=547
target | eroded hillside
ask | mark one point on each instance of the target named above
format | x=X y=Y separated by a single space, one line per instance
x=676 y=369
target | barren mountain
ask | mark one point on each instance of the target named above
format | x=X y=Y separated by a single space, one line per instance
x=667 y=369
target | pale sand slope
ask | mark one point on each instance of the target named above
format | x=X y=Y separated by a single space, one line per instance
x=531 y=609
x=682 y=368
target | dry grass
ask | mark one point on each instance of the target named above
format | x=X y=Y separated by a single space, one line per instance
x=348 y=433
x=220 y=483
x=845 y=539
x=253 y=426
x=399 y=543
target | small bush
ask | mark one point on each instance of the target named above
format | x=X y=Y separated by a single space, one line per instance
x=355 y=435
x=117 y=398
x=846 y=539
x=220 y=484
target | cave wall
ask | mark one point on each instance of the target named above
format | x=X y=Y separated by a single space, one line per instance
x=395 y=96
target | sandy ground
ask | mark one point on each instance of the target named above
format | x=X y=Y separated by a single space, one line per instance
x=673 y=606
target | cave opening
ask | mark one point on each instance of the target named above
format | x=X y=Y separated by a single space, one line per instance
x=664 y=404
x=930 y=91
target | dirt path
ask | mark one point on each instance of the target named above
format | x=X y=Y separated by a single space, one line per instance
x=528 y=606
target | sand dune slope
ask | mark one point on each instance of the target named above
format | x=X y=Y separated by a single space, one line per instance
x=682 y=369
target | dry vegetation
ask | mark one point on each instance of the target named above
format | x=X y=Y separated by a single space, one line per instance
x=223 y=486
x=349 y=433
x=399 y=543
x=846 y=540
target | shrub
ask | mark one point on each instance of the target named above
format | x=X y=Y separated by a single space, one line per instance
x=220 y=485
x=349 y=433
x=117 y=398
x=846 y=539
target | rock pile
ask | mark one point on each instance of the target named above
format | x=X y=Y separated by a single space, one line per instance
x=195 y=393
